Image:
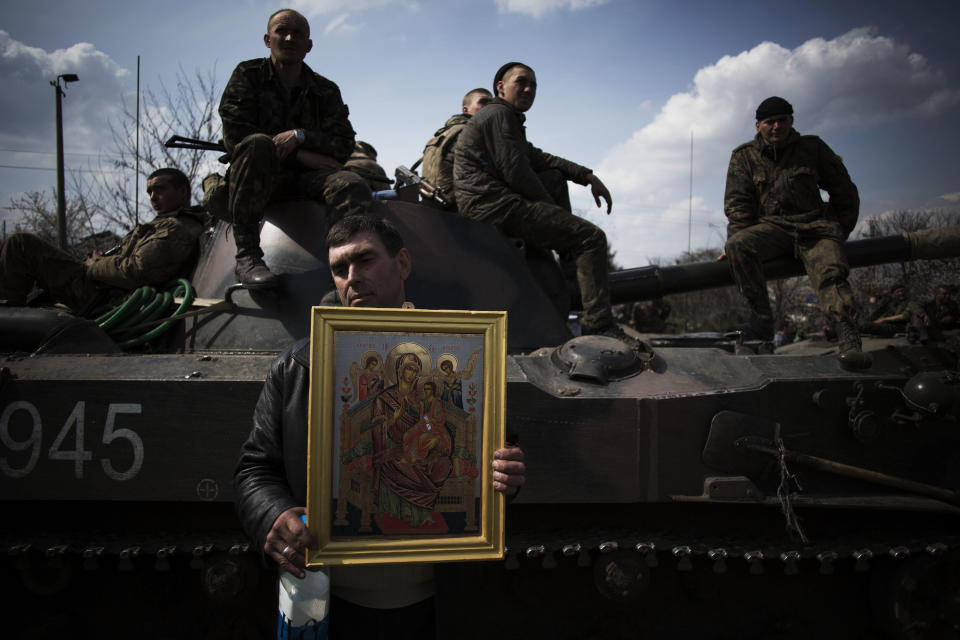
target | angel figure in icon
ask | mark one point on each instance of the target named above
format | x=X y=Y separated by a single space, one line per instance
x=368 y=381
x=450 y=380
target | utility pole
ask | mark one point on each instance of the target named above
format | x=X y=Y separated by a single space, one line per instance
x=61 y=198
x=690 y=213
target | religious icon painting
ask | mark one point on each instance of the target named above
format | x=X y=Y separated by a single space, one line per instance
x=406 y=410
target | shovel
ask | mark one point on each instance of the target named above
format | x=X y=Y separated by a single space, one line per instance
x=735 y=439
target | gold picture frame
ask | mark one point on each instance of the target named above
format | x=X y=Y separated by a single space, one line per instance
x=406 y=409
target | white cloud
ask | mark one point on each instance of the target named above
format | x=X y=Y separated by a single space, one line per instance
x=27 y=101
x=538 y=8
x=314 y=8
x=339 y=23
x=855 y=80
x=951 y=197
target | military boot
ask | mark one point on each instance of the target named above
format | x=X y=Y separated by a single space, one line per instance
x=848 y=337
x=251 y=272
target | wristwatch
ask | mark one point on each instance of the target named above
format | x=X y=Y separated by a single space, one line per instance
x=301 y=136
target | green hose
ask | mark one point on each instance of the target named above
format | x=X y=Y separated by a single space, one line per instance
x=143 y=305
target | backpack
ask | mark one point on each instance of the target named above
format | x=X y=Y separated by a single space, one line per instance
x=437 y=166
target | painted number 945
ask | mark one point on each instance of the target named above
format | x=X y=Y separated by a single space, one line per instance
x=61 y=449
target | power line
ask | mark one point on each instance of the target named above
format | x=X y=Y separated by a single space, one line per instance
x=53 y=153
x=17 y=166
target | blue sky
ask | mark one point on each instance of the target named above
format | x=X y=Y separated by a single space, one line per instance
x=622 y=87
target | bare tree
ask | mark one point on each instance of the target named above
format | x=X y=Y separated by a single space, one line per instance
x=920 y=277
x=189 y=110
x=108 y=200
x=38 y=215
x=717 y=309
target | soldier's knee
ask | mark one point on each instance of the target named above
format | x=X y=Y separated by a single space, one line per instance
x=592 y=237
x=833 y=276
x=257 y=148
x=347 y=182
x=738 y=245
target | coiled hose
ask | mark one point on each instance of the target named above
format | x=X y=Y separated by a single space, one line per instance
x=144 y=305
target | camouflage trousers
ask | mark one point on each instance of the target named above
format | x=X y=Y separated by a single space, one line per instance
x=256 y=177
x=552 y=227
x=25 y=260
x=823 y=258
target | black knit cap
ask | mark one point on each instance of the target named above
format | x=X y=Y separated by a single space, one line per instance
x=503 y=70
x=773 y=106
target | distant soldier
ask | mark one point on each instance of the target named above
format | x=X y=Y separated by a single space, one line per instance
x=774 y=208
x=437 y=168
x=287 y=134
x=786 y=333
x=938 y=315
x=364 y=160
x=942 y=312
x=650 y=317
x=502 y=179
x=152 y=254
x=892 y=315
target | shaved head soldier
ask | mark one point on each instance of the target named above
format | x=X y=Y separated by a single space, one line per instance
x=287 y=133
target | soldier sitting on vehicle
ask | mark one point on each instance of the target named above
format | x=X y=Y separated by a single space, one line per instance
x=502 y=179
x=287 y=133
x=151 y=254
x=774 y=208
x=437 y=157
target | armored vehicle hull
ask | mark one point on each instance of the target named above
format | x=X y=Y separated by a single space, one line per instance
x=667 y=495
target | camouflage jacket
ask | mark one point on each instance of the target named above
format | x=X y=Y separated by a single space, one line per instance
x=153 y=253
x=495 y=168
x=255 y=101
x=781 y=184
x=438 y=156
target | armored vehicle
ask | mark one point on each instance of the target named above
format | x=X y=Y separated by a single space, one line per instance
x=672 y=492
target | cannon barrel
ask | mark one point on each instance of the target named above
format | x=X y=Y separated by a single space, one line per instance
x=650 y=282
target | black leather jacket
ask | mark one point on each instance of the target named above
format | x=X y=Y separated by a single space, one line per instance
x=271 y=475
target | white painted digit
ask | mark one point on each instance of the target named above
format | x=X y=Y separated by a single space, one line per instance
x=79 y=455
x=36 y=435
x=110 y=434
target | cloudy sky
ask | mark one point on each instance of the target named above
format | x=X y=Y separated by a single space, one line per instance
x=626 y=87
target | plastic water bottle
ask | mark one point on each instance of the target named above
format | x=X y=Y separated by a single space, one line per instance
x=303 y=606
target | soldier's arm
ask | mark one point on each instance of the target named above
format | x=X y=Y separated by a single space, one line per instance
x=238 y=110
x=834 y=179
x=740 y=200
x=154 y=256
x=334 y=136
x=509 y=154
x=541 y=160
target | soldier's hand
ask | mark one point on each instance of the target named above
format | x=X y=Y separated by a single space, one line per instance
x=287 y=540
x=600 y=190
x=285 y=142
